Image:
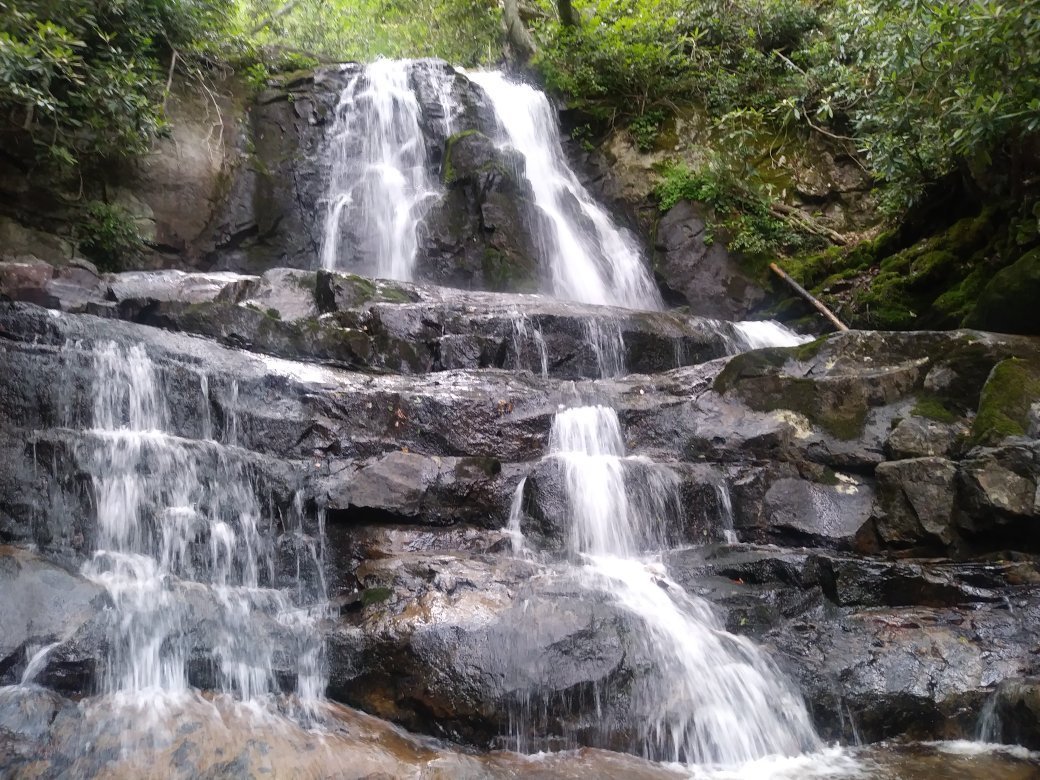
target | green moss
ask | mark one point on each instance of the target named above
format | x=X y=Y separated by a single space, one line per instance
x=982 y=271
x=933 y=408
x=376 y=595
x=274 y=314
x=390 y=293
x=757 y=379
x=448 y=169
x=810 y=349
x=827 y=477
x=1013 y=386
x=502 y=272
x=1009 y=299
x=756 y=363
x=469 y=468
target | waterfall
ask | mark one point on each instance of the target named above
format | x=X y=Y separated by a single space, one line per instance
x=381 y=182
x=186 y=552
x=710 y=697
x=588 y=257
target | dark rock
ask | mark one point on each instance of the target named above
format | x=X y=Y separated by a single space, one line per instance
x=46 y=605
x=273 y=215
x=408 y=487
x=1013 y=714
x=827 y=515
x=701 y=272
x=914 y=671
x=1006 y=303
x=918 y=437
x=916 y=502
x=508 y=641
x=1000 y=490
x=479 y=236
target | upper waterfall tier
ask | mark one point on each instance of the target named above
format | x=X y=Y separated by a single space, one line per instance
x=441 y=176
x=589 y=258
x=380 y=182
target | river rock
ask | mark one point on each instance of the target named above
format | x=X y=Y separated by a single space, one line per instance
x=917 y=499
x=699 y=271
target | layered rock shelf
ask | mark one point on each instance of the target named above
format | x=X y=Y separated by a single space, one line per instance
x=885 y=524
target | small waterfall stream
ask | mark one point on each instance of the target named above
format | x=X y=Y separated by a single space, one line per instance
x=590 y=259
x=187 y=554
x=381 y=182
x=712 y=697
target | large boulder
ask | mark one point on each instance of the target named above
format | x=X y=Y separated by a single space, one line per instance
x=480 y=235
x=700 y=272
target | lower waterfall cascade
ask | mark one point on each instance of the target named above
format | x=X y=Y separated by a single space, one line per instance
x=339 y=521
x=180 y=525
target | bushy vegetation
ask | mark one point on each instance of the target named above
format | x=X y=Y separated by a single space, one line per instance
x=465 y=32
x=740 y=211
x=108 y=235
x=922 y=88
x=86 y=78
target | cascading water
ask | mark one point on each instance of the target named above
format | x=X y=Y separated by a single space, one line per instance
x=186 y=554
x=711 y=697
x=589 y=258
x=381 y=182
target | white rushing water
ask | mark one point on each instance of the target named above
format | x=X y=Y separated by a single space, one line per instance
x=711 y=698
x=381 y=183
x=756 y=334
x=589 y=258
x=186 y=552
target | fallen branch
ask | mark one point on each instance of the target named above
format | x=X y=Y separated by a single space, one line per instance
x=783 y=211
x=809 y=297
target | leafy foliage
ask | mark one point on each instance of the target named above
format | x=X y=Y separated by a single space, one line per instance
x=465 y=32
x=109 y=236
x=740 y=210
x=86 y=77
x=922 y=88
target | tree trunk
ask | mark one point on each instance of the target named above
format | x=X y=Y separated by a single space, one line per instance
x=517 y=35
x=568 y=16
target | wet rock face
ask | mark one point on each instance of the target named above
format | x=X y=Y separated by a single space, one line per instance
x=46 y=606
x=410 y=413
x=701 y=273
x=272 y=214
x=479 y=236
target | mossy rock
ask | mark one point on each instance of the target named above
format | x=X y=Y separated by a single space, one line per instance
x=1007 y=397
x=757 y=378
x=376 y=595
x=931 y=407
x=1008 y=303
x=972 y=273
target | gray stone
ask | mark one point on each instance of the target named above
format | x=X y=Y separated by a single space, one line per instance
x=702 y=273
x=916 y=499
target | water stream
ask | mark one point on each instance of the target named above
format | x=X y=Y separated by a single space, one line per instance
x=711 y=697
x=381 y=181
x=188 y=554
x=589 y=258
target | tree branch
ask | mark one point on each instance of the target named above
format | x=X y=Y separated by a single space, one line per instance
x=275 y=16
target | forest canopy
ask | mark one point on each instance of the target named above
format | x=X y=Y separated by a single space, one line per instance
x=922 y=89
